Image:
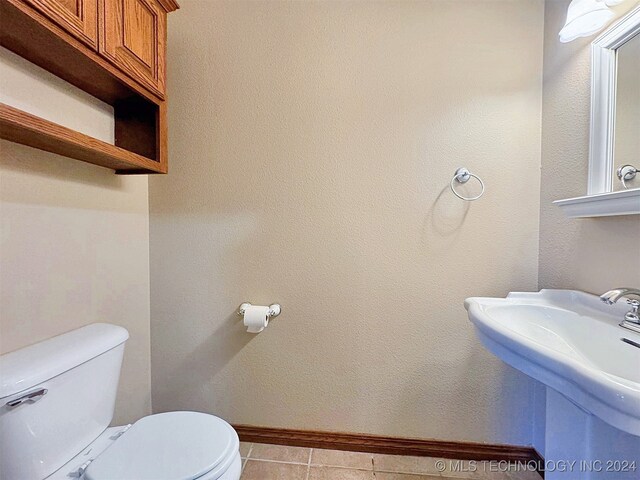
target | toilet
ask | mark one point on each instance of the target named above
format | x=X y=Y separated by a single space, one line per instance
x=57 y=399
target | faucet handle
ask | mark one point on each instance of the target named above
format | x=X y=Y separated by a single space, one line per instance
x=632 y=315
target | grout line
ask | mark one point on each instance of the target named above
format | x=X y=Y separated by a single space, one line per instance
x=343 y=467
x=309 y=463
x=244 y=464
x=250 y=450
x=276 y=461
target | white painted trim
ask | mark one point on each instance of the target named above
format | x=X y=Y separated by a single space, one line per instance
x=603 y=100
x=600 y=200
x=623 y=202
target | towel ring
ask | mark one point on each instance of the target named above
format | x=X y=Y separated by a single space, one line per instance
x=463 y=175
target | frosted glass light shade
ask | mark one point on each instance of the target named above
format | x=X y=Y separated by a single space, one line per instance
x=586 y=17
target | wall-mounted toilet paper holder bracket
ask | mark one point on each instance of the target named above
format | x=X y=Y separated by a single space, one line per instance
x=274 y=309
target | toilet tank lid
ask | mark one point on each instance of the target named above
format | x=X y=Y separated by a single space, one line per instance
x=37 y=363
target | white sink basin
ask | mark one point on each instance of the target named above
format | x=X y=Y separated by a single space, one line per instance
x=571 y=342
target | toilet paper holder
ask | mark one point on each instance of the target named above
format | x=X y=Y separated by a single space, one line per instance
x=274 y=309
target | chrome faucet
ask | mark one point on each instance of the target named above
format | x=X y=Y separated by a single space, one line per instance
x=631 y=318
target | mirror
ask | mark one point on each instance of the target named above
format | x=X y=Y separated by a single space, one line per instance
x=613 y=65
x=614 y=140
x=626 y=145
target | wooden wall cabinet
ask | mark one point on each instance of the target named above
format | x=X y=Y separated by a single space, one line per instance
x=113 y=49
x=133 y=34
x=77 y=17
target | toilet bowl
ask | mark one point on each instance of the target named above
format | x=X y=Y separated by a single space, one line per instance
x=169 y=446
x=53 y=426
x=166 y=446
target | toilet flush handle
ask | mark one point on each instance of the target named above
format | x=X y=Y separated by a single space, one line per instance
x=32 y=396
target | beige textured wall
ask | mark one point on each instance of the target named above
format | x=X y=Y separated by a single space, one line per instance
x=74 y=238
x=312 y=144
x=586 y=254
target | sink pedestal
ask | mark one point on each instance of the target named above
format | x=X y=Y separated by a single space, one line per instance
x=580 y=446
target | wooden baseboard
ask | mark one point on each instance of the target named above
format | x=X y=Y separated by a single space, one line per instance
x=388 y=445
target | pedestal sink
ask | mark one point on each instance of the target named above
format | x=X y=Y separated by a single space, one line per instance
x=572 y=343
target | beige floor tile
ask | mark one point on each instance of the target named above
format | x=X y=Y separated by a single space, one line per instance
x=494 y=476
x=455 y=469
x=524 y=475
x=244 y=449
x=257 y=470
x=405 y=464
x=465 y=469
x=474 y=476
x=468 y=476
x=334 y=473
x=405 y=476
x=495 y=470
x=339 y=458
x=279 y=453
x=478 y=470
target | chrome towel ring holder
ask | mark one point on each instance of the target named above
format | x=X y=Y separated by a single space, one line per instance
x=462 y=176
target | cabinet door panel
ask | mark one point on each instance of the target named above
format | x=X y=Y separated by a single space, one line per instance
x=78 y=17
x=134 y=40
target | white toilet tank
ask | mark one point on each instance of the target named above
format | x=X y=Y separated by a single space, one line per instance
x=79 y=371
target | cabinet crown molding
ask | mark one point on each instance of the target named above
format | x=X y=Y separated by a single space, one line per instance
x=169 y=5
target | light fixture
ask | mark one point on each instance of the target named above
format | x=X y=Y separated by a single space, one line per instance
x=586 y=17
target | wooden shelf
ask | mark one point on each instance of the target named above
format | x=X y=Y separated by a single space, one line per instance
x=22 y=127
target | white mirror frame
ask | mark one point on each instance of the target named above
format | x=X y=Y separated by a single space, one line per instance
x=600 y=200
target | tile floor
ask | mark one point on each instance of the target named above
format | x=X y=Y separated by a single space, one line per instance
x=274 y=462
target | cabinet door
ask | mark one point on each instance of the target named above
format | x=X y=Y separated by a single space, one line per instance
x=78 y=17
x=134 y=39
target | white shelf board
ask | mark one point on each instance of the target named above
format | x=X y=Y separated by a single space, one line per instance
x=623 y=202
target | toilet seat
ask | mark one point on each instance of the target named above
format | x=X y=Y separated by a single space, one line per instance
x=169 y=446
